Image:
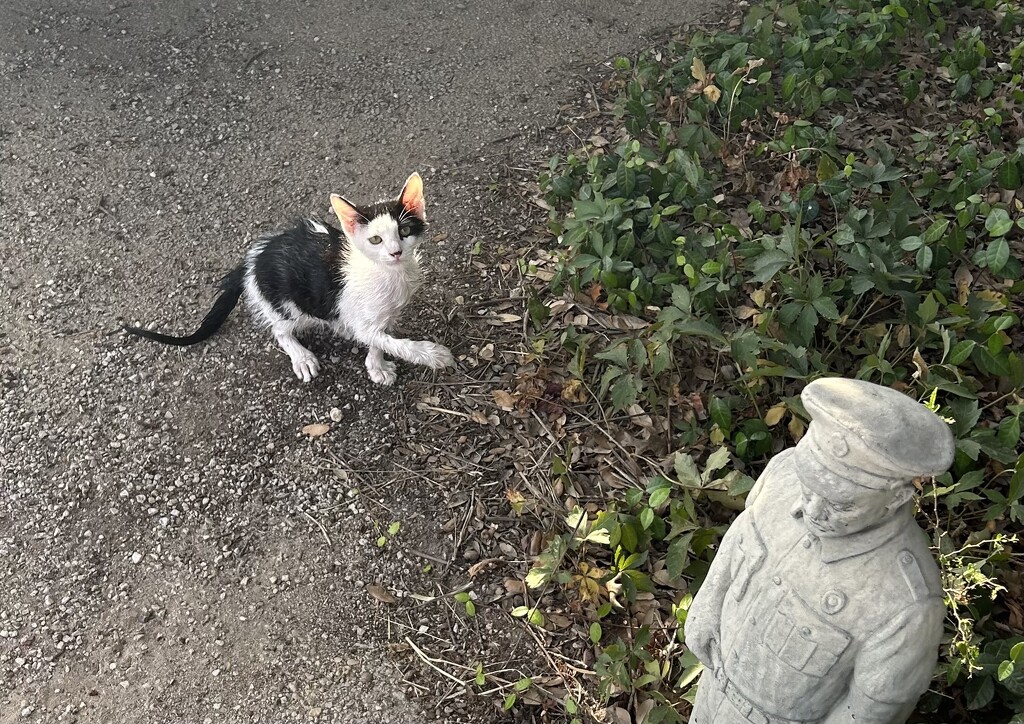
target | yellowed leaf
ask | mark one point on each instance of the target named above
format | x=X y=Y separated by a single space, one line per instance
x=757 y=296
x=380 y=593
x=516 y=499
x=796 y=428
x=573 y=391
x=963 y=279
x=698 y=70
x=712 y=93
x=316 y=429
x=775 y=414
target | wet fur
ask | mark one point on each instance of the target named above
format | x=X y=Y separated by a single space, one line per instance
x=353 y=282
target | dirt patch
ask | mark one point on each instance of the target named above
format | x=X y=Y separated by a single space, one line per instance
x=172 y=546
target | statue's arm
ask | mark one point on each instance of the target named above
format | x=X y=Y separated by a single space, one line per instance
x=703 y=620
x=893 y=668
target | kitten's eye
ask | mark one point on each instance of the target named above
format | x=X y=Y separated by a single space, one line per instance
x=404 y=230
x=375 y=240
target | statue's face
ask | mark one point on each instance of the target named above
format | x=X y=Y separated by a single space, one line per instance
x=845 y=509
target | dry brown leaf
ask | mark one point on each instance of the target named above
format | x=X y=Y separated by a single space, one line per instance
x=643 y=710
x=922 y=367
x=380 y=593
x=476 y=568
x=487 y=352
x=505 y=400
x=617 y=715
x=480 y=417
x=316 y=429
x=515 y=586
x=504 y=318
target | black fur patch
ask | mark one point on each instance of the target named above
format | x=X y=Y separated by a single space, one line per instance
x=395 y=210
x=301 y=266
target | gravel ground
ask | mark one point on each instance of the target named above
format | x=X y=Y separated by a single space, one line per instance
x=172 y=546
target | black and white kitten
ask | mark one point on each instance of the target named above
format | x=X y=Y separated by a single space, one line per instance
x=311 y=277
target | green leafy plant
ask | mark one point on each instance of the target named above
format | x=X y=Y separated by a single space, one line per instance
x=743 y=221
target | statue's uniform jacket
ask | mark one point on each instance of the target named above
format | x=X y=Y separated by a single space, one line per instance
x=803 y=619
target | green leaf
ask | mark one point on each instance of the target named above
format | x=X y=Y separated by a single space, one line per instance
x=768 y=264
x=924 y=258
x=595 y=632
x=394 y=528
x=624 y=392
x=686 y=470
x=998 y=255
x=827 y=308
x=980 y=690
x=963 y=85
x=740 y=485
x=716 y=461
x=998 y=222
x=481 y=678
x=678 y=556
x=1005 y=670
x=1017 y=650
x=961 y=351
x=658 y=497
x=1009 y=176
x=510 y=701
x=928 y=309
x=681 y=297
x=470 y=609
x=934 y=232
x=462 y=597
x=720 y=413
x=826 y=168
x=523 y=684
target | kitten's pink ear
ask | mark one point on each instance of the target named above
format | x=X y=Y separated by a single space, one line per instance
x=348 y=214
x=412 y=196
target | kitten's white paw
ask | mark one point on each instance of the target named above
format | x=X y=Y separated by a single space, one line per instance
x=306 y=366
x=435 y=356
x=385 y=374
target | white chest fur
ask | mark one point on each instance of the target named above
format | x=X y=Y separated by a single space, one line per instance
x=375 y=293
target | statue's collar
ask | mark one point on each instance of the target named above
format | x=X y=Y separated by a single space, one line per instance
x=856 y=544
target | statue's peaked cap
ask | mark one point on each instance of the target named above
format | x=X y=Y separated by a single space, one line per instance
x=875 y=435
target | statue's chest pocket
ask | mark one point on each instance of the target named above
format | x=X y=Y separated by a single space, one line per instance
x=802 y=639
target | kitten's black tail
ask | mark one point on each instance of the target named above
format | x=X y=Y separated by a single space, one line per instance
x=231 y=290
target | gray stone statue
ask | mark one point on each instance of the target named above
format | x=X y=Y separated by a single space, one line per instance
x=823 y=604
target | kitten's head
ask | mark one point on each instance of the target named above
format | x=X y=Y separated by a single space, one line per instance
x=387 y=231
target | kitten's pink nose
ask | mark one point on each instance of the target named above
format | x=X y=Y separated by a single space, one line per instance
x=396 y=255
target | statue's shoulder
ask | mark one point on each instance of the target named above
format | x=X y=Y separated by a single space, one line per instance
x=776 y=483
x=910 y=567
